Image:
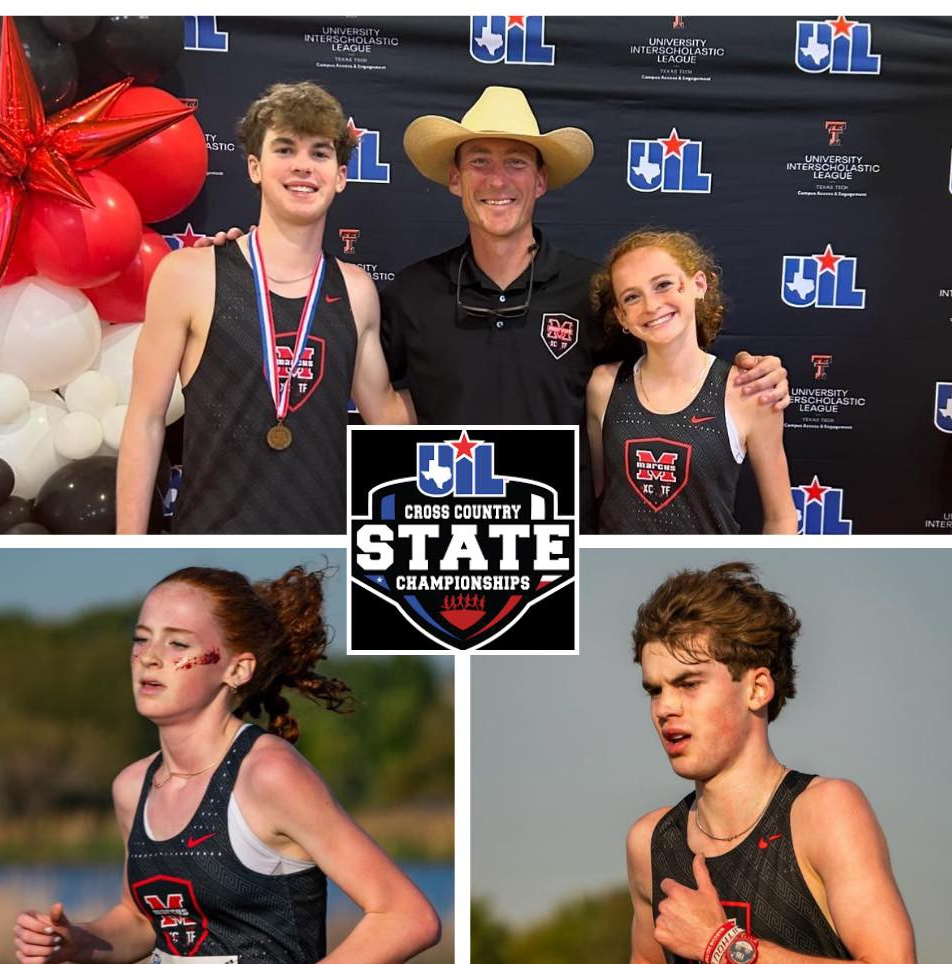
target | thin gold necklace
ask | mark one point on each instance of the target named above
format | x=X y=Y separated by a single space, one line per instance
x=290 y=281
x=694 y=391
x=740 y=833
x=194 y=773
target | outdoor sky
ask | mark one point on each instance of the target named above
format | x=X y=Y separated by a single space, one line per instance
x=565 y=758
x=61 y=583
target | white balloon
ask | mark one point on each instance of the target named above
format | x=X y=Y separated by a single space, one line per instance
x=51 y=399
x=27 y=447
x=42 y=461
x=112 y=423
x=93 y=393
x=78 y=435
x=49 y=333
x=115 y=356
x=115 y=360
x=14 y=398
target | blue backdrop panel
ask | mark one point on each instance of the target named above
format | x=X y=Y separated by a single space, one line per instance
x=815 y=162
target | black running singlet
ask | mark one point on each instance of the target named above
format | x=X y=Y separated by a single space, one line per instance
x=668 y=474
x=759 y=882
x=232 y=482
x=203 y=901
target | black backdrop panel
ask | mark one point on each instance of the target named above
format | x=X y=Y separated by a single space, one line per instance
x=810 y=134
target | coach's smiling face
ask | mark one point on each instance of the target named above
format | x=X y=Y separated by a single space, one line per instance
x=498 y=181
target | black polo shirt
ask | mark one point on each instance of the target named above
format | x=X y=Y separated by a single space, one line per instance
x=531 y=369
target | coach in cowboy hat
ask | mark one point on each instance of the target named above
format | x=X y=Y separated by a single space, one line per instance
x=498 y=329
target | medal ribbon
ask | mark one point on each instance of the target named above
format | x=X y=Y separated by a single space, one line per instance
x=281 y=390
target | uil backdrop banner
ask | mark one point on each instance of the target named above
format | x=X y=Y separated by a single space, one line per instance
x=814 y=156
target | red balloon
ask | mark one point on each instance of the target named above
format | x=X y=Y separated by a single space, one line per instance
x=19 y=266
x=123 y=300
x=165 y=173
x=45 y=155
x=82 y=247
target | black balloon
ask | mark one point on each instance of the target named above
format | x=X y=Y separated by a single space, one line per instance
x=15 y=511
x=27 y=529
x=7 y=481
x=80 y=498
x=69 y=30
x=143 y=47
x=53 y=64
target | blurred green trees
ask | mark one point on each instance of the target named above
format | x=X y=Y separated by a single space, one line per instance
x=593 y=929
x=68 y=725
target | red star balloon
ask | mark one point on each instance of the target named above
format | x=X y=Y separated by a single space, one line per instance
x=47 y=155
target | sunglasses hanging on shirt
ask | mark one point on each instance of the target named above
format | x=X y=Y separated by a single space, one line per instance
x=509 y=311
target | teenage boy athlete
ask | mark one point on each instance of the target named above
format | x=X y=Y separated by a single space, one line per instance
x=270 y=338
x=759 y=863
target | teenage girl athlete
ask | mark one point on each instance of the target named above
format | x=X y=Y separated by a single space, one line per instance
x=231 y=834
x=668 y=434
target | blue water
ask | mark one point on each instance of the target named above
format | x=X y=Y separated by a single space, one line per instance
x=88 y=885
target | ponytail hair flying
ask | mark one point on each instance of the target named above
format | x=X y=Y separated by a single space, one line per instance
x=280 y=621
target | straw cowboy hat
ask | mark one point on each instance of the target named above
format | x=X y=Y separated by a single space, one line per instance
x=500 y=112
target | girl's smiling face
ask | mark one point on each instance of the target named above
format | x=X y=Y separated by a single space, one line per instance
x=654 y=298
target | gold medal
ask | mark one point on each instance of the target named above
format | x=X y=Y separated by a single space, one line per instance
x=279 y=437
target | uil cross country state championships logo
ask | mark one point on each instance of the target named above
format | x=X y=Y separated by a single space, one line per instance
x=460 y=533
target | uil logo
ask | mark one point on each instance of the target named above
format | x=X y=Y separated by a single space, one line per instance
x=460 y=549
x=364 y=164
x=838 y=46
x=820 y=510
x=202 y=33
x=183 y=239
x=510 y=40
x=669 y=164
x=825 y=280
x=943 y=407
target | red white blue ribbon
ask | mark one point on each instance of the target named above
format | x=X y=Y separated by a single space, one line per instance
x=281 y=387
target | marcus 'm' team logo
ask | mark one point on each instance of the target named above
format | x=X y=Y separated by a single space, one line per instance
x=824 y=280
x=461 y=548
x=559 y=332
x=838 y=46
x=202 y=33
x=658 y=469
x=171 y=902
x=365 y=165
x=943 y=406
x=669 y=164
x=502 y=39
x=310 y=372
x=820 y=510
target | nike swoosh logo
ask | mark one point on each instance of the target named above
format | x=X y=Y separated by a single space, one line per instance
x=331 y=299
x=197 y=840
x=764 y=844
x=696 y=420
